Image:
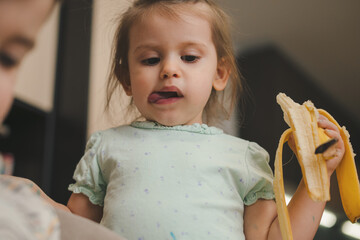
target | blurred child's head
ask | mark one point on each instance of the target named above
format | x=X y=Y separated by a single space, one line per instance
x=20 y=22
x=217 y=107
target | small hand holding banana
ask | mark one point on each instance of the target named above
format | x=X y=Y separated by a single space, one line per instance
x=309 y=133
x=332 y=149
x=335 y=153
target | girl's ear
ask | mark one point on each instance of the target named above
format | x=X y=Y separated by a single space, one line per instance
x=125 y=83
x=222 y=75
x=127 y=89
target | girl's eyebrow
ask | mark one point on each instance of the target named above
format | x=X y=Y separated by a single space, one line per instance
x=21 y=40
x=145 y=46
x=182 y=45
x=193 y=44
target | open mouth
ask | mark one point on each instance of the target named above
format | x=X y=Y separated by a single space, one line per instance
x=164 y=96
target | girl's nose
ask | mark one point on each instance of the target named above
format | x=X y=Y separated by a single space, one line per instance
x=170 y=69
x=166 y=75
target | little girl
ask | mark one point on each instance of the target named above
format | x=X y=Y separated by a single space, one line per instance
x=172 y=176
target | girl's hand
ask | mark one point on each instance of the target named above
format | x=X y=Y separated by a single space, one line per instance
x=336 y=152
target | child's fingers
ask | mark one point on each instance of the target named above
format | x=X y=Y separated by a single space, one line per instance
x=339 y=146
x=333 y=132
x=323 y=122
x=335 y=153
x=333 y=158
x=330 y=152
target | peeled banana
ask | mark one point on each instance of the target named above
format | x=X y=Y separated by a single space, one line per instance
x=302 y=120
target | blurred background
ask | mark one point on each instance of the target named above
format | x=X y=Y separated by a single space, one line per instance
x=307 y=49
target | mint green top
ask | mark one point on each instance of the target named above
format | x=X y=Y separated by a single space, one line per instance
x=182 y=182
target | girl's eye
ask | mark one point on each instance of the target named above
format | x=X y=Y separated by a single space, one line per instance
x=7 y=61
x=151 y=61
x=189 y=58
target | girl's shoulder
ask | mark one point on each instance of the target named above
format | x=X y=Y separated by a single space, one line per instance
x=233 y=140
x=113 y=131
x=251 y=148
x=113 y=134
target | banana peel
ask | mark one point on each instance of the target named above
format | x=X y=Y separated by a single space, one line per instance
x=302 y=120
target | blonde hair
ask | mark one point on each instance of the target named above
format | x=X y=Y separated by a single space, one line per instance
x=215 y=108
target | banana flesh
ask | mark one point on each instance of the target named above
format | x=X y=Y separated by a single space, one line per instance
x=302 y=120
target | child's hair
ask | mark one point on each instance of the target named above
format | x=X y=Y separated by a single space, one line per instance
x=215 y=108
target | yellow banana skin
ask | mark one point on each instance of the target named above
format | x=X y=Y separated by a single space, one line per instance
x=347 y=177
x=283 y=214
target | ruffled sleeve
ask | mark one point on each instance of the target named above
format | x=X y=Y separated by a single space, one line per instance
x=88 y=175
x=260 y=175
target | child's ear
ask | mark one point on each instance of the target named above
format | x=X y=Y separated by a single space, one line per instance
x=125 y=83
x=127 y=89
x=222 y=75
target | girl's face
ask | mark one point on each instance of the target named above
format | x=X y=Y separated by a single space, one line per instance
x=20 y=21
x=173 y=67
